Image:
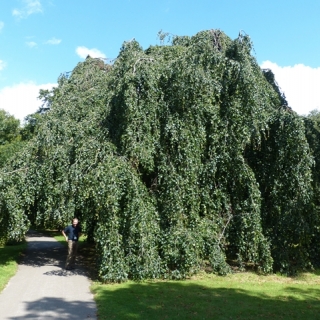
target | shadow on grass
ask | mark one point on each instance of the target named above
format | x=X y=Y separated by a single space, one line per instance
x=12 y=253
x=183 y=300
x=58 y=308
x=317 y=272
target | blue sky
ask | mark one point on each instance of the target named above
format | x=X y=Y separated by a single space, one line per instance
x=40 y=39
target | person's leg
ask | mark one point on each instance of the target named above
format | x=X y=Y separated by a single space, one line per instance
x=69 y=257
x=74 y=253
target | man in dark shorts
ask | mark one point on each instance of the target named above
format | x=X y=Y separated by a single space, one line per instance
x=72 y=234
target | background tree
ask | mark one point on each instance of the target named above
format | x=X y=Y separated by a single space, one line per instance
x=9 y=136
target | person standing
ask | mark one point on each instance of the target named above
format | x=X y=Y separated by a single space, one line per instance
x=72 y=234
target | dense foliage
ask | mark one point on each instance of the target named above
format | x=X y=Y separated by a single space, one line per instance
x=13 y=136
x=9 y=136
x=174 y=158
x=312 y=127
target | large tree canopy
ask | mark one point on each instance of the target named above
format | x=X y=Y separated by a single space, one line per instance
x=174 y=158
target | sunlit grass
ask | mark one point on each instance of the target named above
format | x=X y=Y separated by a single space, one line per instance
x=9 y=257
x=237 y=296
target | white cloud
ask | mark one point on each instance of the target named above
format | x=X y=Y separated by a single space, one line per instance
x=300 y=85
x=82 y=52
x=22 y=99
x=53 y=41
x=1 y=25
x=2 y=65
x=31 y=7
x=31 y=44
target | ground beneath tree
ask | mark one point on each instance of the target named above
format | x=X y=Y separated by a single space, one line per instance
x=43 y=289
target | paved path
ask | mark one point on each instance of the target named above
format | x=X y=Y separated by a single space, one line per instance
x=42 y=289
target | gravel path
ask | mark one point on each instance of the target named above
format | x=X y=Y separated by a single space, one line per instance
x=42 y=289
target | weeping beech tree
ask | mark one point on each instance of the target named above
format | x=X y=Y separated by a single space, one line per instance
x=173 y=158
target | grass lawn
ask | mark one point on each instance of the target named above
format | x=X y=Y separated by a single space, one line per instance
x=9 y=257
x=238 y=296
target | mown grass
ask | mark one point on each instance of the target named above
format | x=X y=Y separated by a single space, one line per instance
x=238 y=296
x=9 y=257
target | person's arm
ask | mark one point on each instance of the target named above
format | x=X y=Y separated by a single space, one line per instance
x=64 y=234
